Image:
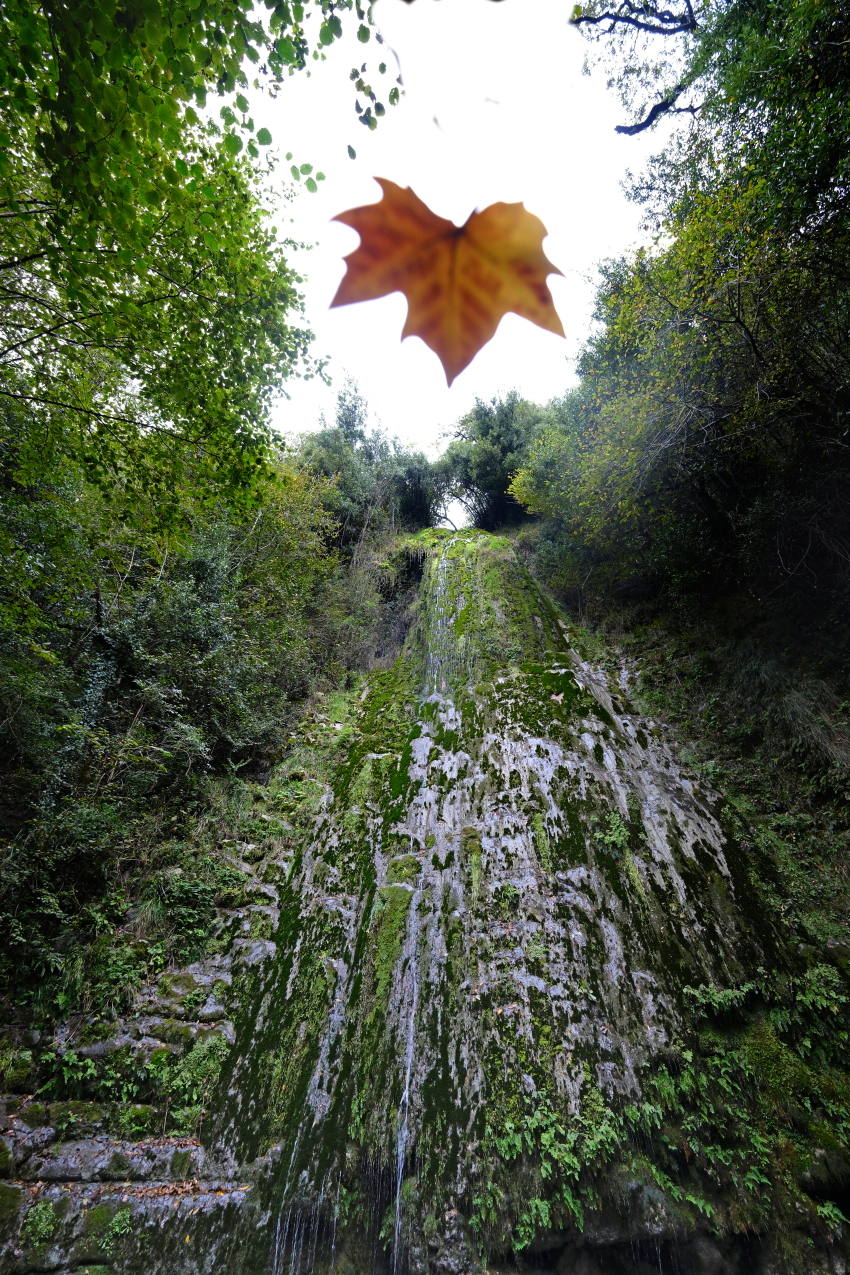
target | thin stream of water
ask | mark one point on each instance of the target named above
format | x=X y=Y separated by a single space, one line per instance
x=403 y=1119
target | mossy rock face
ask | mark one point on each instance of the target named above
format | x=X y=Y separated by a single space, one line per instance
x=7 y=1162
x=119 y=1167
x=176 y=987
x=98 y=1218
x=174 y=1032
x=261 y=926
x=11 y=1202
x=181 y=1163
x=76 y=1119
x=105 y=1233
x=35 y=1114
x=488 y=937
x=523 y=1005
x=97 y=1031
x=134 y=1120
x=403 y=870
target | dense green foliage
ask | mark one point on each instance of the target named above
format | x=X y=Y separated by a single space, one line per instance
x=719 y=379
x=133 y=353
x=141 y=657
x=765 y=83
x=144 y=293
x=113 y=92
x=169 y=588
x=135 y=661
x=705 y=446
x=489 y=445
x=375 y=488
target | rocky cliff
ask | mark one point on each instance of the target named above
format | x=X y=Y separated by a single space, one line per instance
x=504 y=995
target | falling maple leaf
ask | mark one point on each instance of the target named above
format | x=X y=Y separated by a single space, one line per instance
x=459 y=280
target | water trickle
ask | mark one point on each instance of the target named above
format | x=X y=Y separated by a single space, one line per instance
x=411 y=997
x=486 y=908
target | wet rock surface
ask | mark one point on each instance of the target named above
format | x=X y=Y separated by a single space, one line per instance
x=459 y=1017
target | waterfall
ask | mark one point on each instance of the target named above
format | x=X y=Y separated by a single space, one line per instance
x=475 y=1016
x=411 y=958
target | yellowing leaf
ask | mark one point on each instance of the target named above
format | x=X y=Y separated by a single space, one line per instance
x=458 y=280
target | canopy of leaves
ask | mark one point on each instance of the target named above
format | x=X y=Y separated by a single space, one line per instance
x=707 y=438
x=142 y=656
x=705 y=446
x=131 y=354
x=133 y=661
x=113 y=86
x=766 y=85
x=143 y=292
x=168 y=592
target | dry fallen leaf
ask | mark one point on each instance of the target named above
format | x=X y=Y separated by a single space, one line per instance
x=459 y=280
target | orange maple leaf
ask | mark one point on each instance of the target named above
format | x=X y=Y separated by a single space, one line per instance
x=459 y=280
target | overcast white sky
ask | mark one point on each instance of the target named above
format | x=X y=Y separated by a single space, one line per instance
x=495 y=108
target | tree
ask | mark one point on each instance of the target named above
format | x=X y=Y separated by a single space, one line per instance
x=135 y=661
x=144 y=293
x=705 y=445
x=765 y=84
x=374 y=487
x=134 y=354
x=490 y=444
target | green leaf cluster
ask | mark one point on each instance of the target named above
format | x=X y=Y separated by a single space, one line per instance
x=114 y=90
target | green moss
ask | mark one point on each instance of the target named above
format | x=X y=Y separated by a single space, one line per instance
x=119 y=1166
x=403 y=870
x=159 y=1058
x=780 y=1074
x=536 y=952
x=36 y=1114
x=634 y=878
x=134 y=1120
x=176 y=986
x=173 y=1032
x=97 y=1219
x=107 y=1224
x=542 y=845
x=261 y=925
x=16 y=1069
x=472 y=851
x=388 y=935
x=11 y=1199
x=505 y=899
x=76 y=1119
x=181 y=1163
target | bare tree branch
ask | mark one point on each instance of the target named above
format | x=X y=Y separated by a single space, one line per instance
x=663 y=107
x=641 y=18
